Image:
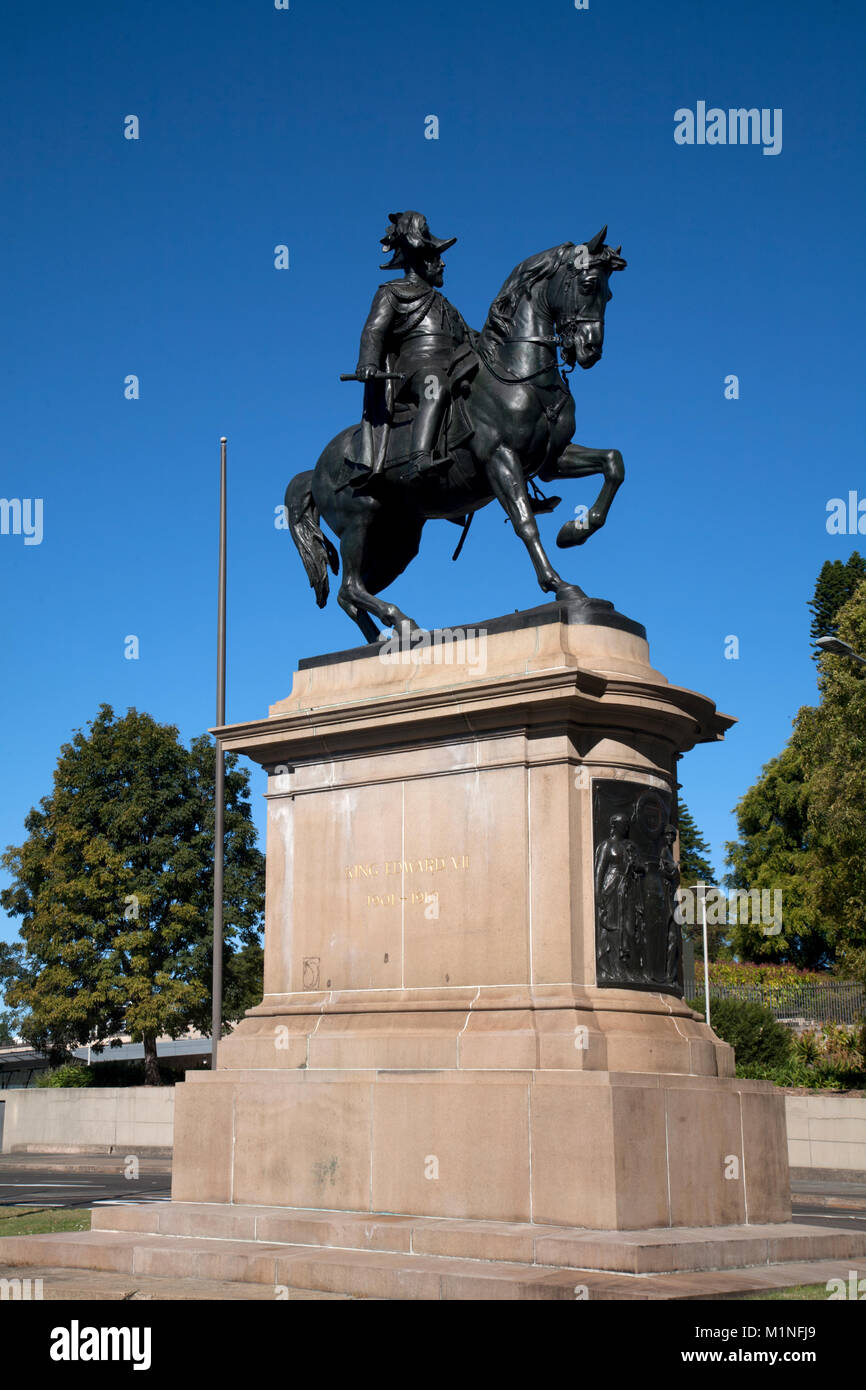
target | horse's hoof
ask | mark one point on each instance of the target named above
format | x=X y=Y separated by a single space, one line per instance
x=567 y=593
x=573 y=533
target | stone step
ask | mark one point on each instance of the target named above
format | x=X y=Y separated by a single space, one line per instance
x=662 y=1251
x=102 y=1285
x=289 y=1271
x=360 y=1274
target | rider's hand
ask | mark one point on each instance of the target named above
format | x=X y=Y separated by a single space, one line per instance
x=366 y=372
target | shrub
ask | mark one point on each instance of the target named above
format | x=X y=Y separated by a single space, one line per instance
x=823 y=1077
x=752 y=1030
x=774 y=978
x=806 y=1048
x=843 y=1047
x=831 y=1058
x=69 y=1074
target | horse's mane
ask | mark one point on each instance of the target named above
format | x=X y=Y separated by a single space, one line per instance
x=519 y=284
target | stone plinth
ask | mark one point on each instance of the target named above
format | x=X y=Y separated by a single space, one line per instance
x=432 y=1039
x=430 y=853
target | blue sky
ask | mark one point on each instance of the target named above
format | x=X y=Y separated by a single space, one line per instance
x=306 y=127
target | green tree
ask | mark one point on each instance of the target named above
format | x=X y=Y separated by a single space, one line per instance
x=775 y=851
x=835 y=585
x=831 y=743
x=803 y=825
x=243 y=980
x=114 y=885
x=10 y=969
x=695 y=867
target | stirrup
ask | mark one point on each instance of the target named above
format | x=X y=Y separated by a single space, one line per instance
x=417 y=469
x=369 y=480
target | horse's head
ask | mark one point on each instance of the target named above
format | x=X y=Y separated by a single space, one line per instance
x=578 y=295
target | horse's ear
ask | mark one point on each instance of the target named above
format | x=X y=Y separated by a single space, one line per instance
x=594 y=246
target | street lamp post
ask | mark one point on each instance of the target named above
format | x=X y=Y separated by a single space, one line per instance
x=702 y=899
x=219 y=778
x=837 y=647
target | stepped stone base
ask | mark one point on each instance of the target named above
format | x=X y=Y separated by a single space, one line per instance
x=605 y=1150
x=382 y=1256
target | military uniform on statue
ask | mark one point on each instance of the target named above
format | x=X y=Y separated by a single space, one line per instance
x=414 y=331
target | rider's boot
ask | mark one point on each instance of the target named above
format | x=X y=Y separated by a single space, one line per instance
x=421 y=464
x=425 y=432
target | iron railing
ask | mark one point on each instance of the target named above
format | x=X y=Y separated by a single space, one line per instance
x=813 y=1001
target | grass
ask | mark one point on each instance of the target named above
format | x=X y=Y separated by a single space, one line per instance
x=797 y=1292
x=42 y=1221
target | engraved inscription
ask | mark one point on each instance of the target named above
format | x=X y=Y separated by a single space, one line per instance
x=391 y=868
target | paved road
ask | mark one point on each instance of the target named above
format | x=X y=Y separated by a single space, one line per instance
x=841 y=1220
x=829 y=1202
x=29 y=1186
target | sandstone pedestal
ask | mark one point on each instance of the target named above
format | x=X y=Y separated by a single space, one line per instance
x=432 y=1040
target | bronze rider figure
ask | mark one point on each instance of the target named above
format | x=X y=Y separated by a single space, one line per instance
x=413 y=330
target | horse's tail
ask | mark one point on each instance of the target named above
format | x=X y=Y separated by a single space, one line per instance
x=314 y=548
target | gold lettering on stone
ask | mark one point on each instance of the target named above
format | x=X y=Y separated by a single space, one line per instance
x=362 y=871
x=389 y=868
x=417 y=896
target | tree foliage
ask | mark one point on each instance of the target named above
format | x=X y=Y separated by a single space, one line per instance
x=695 y=867
x=8 y=1029
x=802 y=826
x=835 y=585
x=10 y=969
x=69 y=1074
x=831 y=741
x=114 y=886
x=775 y=852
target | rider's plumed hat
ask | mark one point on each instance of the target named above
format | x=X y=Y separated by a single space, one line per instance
x=410 y=230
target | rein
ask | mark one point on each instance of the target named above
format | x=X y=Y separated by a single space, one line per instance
x=551 y=340
x=511 y=380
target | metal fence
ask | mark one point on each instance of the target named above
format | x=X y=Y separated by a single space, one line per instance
x=812 y=1001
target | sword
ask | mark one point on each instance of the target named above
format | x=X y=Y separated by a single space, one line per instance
x=379 y=376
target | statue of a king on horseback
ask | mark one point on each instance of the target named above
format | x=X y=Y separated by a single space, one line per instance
x=454 y=419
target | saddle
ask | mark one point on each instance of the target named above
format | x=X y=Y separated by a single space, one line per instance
x=455 y=429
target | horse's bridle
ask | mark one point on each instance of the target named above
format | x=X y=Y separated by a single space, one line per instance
x=564 y=338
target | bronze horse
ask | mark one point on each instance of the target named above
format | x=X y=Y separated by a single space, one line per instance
x=517 y=421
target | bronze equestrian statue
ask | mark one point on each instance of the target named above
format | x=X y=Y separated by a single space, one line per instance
x=475 y=417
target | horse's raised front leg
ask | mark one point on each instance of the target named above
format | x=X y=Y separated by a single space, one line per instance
x=578 y=462
x=509 y=488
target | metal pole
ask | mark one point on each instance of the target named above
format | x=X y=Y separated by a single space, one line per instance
x=219 y=779
x=703 y=901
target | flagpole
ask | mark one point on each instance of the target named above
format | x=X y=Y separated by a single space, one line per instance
x=702 y=898
x=219 y=778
